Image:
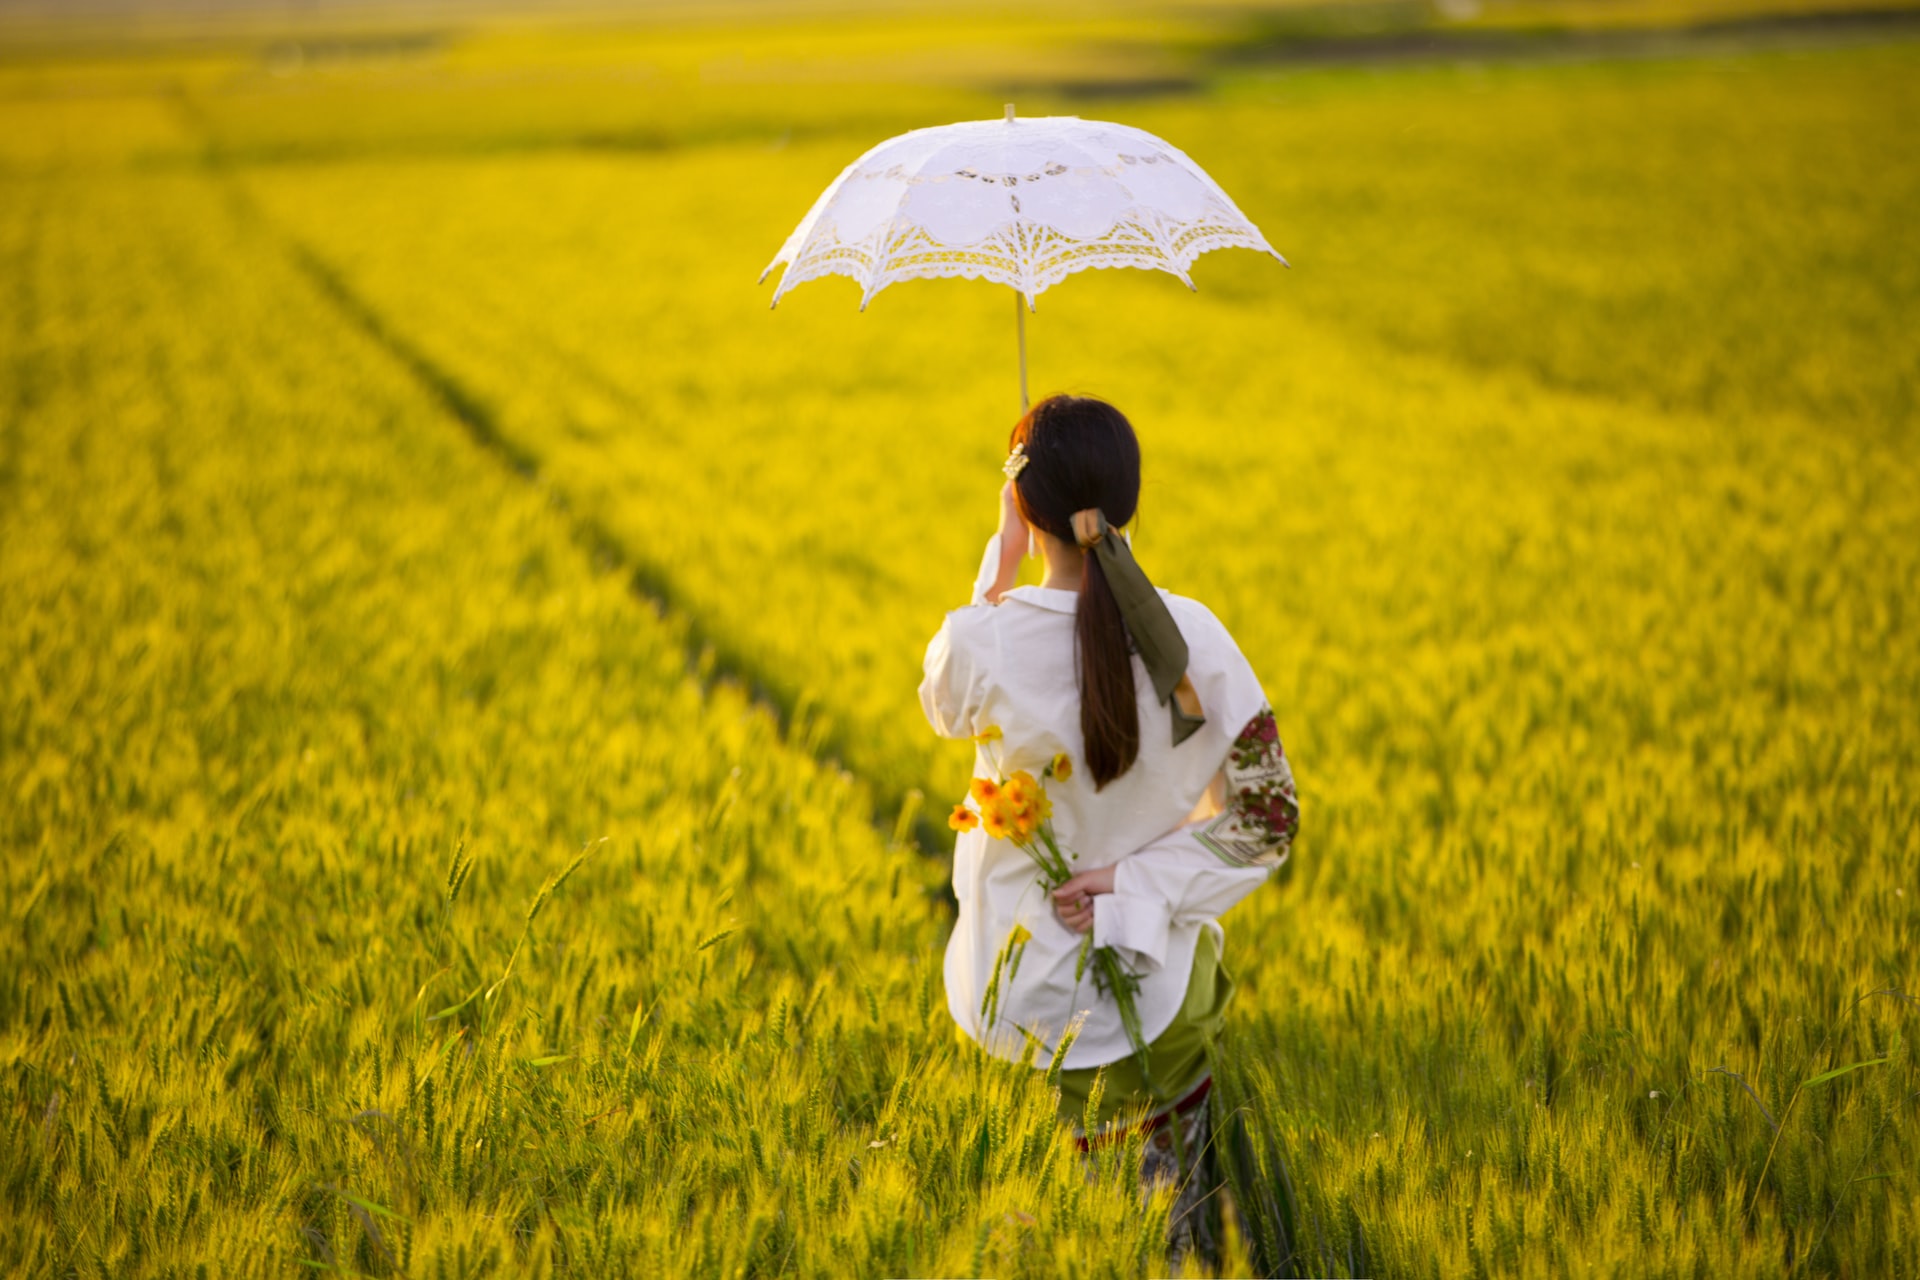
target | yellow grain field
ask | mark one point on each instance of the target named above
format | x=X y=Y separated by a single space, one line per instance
x=463 y=790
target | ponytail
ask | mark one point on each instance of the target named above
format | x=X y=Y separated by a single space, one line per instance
x=1086 y=466
x=1109 y=714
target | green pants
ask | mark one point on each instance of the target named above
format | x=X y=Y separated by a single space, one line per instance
x=1178 y=1055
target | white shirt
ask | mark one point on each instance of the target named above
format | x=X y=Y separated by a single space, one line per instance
x=1013 y=665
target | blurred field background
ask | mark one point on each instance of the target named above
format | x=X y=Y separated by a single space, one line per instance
x=463 y=795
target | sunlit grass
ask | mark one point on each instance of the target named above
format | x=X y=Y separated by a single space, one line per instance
x=283 y=643
x=1562 y=494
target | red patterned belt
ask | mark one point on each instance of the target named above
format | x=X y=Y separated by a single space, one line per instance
x=1153 y=1122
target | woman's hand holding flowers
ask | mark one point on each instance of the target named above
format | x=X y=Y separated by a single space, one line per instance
x=1073 y=901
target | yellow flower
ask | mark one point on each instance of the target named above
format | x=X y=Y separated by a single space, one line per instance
x=963 y=818
x=997 y=818
x=1062 y=767
x=989 y=734
x=1041 y=811
x=984 y=790
x=1022 y=792
x=1026 y=803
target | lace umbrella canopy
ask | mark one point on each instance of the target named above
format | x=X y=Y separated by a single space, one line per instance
x=1023 y=202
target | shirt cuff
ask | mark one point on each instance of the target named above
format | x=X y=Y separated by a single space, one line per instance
x=989 y=570
x=1134 y=925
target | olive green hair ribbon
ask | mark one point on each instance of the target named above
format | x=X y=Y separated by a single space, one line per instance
x=1150 y=623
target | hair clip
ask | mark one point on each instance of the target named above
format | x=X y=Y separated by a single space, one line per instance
x=1016 y=461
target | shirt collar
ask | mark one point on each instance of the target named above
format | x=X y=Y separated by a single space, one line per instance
x=1054 y=598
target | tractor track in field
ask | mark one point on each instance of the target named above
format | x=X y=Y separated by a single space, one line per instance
x=710 y=657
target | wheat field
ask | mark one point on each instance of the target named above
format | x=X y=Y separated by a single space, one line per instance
x=465 y=804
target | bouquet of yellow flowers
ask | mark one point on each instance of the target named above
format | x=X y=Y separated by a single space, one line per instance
x=1015 y=807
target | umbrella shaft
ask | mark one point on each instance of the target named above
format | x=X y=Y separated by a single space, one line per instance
x=1020 y=327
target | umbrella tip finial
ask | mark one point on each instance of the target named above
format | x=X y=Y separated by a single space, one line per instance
x=1009 y=113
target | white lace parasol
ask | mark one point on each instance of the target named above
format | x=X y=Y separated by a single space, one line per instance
x=1020 y=202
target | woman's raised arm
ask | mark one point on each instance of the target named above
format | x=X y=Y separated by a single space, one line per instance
x=949 y=678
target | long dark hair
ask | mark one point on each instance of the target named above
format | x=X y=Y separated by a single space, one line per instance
x=1082 y=453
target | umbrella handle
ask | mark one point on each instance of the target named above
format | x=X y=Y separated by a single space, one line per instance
x=1020 y=326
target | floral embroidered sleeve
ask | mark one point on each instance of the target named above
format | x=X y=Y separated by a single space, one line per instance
x=1261 y=810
